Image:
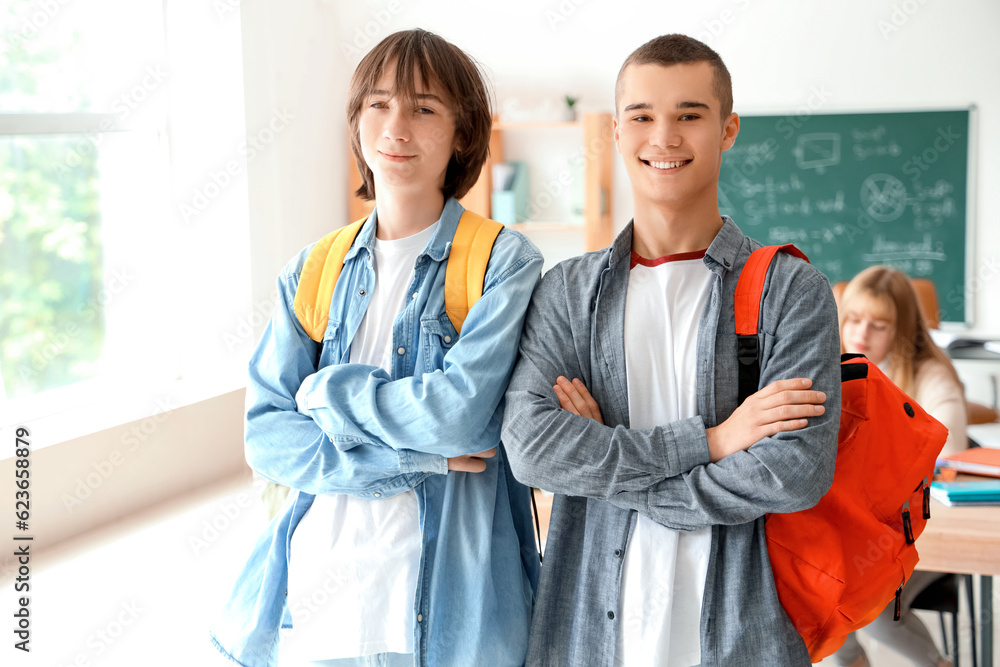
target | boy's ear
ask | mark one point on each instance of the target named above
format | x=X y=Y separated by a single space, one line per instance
x=614 y=132
x=730 y=128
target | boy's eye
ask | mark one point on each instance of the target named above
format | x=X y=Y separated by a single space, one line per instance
x=641 y=119
x=690 y=116
x=378 y=105
x=425 y=110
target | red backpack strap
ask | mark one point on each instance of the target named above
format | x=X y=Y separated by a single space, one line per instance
x=749 y=289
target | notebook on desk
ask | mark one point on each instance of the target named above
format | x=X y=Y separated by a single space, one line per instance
x=976 y=461
x=967 y=492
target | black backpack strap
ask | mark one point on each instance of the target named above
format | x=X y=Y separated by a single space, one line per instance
x=748 y=356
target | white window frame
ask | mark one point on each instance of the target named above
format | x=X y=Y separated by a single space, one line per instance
x=206 y=322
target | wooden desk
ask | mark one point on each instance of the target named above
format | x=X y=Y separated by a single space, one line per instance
x=966 y=540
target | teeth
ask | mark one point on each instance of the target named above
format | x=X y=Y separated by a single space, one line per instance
x=666 y=165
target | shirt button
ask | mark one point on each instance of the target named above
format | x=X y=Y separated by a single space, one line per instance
x=618 y=552
x=378 y=495
x=611 y=615
x=414 y=295
x=362 y=292
x=401 y=350
x=420 y=618
x=447 y=339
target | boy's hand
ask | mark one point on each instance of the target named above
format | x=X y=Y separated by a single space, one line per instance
x=471 y=462
x=574 y=397
x=780 y=406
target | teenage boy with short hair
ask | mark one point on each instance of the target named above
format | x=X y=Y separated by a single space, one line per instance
x=656 y=551
x=406 y=540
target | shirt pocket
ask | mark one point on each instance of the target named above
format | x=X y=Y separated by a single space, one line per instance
x=437 y=337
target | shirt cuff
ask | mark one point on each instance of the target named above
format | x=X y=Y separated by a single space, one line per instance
x=411 y=461
x=691 y=439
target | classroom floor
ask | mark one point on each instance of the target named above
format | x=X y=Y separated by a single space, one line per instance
x=145 y=593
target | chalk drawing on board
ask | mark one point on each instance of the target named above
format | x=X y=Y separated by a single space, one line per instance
x=883 y=197
x=886 y=250
x=818 y=151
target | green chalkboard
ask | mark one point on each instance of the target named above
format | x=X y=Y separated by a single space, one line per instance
x=855 y=190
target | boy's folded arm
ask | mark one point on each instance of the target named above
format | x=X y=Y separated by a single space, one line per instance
x=289 y=448
x=449 y=412
x=556 y=450
x=786 y=472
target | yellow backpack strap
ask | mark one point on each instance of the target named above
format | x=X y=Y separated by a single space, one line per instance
x=466 y=270
x=319 y=277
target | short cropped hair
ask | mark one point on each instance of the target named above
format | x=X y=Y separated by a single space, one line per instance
x=679 y=49
x=456 y=72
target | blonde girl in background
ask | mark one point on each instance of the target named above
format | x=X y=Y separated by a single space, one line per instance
x=880 y=318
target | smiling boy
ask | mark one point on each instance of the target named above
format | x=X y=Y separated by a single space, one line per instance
x=405 y=539
x=656 y=553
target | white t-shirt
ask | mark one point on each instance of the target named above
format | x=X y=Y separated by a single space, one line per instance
x=352 y=575
x=663 y=580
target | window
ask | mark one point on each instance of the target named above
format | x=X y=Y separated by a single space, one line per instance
x=123 y=252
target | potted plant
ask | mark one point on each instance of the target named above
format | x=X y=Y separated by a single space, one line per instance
x=570 y=111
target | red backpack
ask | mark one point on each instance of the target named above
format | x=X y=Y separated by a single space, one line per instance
x=838 y=564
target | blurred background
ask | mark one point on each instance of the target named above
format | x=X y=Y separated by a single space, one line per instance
x=160 y=161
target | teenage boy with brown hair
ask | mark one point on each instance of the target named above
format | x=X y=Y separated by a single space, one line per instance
x=405 y=540
x=656 y=551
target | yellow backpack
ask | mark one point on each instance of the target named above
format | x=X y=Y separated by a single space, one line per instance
x=463 y=285
x=463 y=282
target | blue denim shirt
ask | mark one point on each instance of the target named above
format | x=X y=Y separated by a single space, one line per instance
x=604 y=474
x=319 y=424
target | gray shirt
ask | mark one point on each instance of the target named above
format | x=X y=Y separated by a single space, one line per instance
x=603 y=474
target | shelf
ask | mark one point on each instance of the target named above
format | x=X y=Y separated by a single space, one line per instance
x=598 y=147
x=545 y=226
x=536 y=125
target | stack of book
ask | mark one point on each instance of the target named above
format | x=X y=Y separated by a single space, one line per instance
x=967 y=492
x=981 y=461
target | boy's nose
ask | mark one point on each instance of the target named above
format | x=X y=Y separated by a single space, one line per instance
x=396 y=127
x=665 y=134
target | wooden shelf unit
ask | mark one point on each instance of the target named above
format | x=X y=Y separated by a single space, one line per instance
x=597 y=145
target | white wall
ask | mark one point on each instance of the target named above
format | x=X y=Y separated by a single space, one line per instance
x=862 y=54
